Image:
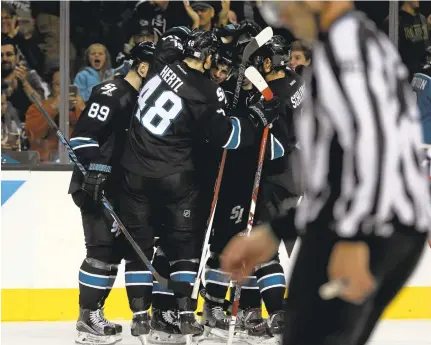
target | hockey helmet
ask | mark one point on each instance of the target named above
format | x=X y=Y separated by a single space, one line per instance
x=280 y=40
x=226 y=56
x=142 y=52
x=246 y=31
x=181 y=32
x=276 y=50
x=200 y=44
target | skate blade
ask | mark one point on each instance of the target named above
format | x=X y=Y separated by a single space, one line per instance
x=157 y=337
x=119 y=337
x=189 y=339
x=265 y=340
x=218 y=333
x=143 y=339
x=85 y=338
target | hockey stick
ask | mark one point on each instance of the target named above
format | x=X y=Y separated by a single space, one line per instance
x=256 y=42
x=182 y=288
x=256 y=78
x=264 y=36
x=205 y=246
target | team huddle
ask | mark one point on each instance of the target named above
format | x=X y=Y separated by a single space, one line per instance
x=152 y=141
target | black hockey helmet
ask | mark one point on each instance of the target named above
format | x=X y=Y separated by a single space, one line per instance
x=200 y=44
x=182 y=32
x=142 y=52
x=276 y=50
x=246 y=31
x=226 y=56
x=280 y=40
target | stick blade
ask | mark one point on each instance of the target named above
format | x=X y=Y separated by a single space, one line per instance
x=256 y=42
x=264 y=36
x=259 y=82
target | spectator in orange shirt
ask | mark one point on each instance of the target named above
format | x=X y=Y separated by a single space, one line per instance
x=41 y=137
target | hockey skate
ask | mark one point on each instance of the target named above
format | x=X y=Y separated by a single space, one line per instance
x=165 y=328
x=93 y=329
x=274 y=331
x=250 y=321
x=190 y=327
x=117 y=326
x=275 y=328
x=216 y=323
x=140 y=327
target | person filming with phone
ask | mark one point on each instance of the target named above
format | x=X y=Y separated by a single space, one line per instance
x=43 y=139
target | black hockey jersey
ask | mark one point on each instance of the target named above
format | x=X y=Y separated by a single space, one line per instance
x=101 y=130
x=179 y=106
x=282 y=139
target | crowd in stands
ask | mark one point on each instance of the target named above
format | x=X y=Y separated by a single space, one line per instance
x=102 y=33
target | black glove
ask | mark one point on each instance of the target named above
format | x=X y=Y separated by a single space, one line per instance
x=226 y=31
x=95 y=180
x=263 y=113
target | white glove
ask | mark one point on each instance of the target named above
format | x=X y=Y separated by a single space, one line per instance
x=115 y=229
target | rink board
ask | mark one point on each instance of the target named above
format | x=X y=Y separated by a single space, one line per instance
x=42 y=249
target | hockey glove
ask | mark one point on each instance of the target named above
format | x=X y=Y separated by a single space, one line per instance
x=263 y=113
x=226 y=31
x=95 y=180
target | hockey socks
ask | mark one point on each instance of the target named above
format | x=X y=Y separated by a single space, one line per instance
x=139 y=286
x=94 y=280
x=163 y=298
x=272 y=285
x=217 y=282
x=250 y=295
x=185 y=271
x=111 y=282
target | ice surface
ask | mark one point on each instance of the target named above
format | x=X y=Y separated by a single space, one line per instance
x=63 y=333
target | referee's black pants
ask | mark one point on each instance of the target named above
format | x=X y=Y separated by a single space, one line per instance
x=313 y=321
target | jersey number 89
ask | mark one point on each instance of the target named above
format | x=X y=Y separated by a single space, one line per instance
x=166 y=108
x=99 y=112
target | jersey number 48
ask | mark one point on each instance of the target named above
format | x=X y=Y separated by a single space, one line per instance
x=164 y=109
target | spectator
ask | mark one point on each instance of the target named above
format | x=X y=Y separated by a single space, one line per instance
x=226 y=16
x=143 y=32
x=161 y=15
x=232 y=17
x=413 y=35
x=42 y=139
x=9 y=21
x=300 y=54
x=10 y=124
x=21 y=81
x=97 y=69
x=19 y=26
x=205 y=13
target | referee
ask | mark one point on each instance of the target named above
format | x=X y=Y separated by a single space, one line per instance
x=367 y=210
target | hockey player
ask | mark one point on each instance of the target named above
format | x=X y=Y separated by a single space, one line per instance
x=165 y=321
x=421 y=84
x=278 y=191
x=229 y=55
x=98 y=142
x=223 y=65
x=179 y=107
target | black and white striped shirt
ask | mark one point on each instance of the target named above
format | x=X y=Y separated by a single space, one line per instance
x=360 y=137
